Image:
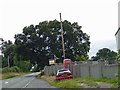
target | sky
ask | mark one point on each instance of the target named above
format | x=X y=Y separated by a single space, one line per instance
x=98 y=18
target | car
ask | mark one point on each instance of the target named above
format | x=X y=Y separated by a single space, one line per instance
x=63 y=74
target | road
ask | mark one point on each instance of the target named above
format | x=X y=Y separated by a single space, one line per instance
x=26 y=81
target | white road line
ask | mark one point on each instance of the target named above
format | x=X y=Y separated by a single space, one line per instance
x=6 y=82
x=28 y=83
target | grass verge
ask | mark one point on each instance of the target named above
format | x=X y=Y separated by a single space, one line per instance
x=0 y=76
x=114 y=82
x=10 y=75
x=76 y=82
x=70 y=83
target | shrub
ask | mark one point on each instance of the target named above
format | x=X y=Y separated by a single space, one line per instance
x=42 y=72
x=0 y=70
x=15 y=69
x=23 y=65
x=5 y=70
x=11 y=69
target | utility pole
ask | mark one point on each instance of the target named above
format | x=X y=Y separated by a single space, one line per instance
x=63 y=47
x=8 y=61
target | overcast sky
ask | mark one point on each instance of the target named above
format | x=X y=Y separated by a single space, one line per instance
x=98 y=18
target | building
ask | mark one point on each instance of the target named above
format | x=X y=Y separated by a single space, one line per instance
x=117 y=34
x=118 y=39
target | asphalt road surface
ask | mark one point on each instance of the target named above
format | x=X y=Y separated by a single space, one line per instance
x=26 y=81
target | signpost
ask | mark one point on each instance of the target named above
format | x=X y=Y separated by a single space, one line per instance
x=51 y=61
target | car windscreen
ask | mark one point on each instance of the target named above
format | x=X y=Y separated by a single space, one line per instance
x=62 y=70
x=61 y=73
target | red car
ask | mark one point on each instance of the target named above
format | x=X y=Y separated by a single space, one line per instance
x=63 y=74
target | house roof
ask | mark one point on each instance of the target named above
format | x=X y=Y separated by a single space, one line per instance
x=117 y=31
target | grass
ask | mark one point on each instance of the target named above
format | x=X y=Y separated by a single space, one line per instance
x=10 y=75
x=107 y=80
x=0 y=76
x=119 y=74
x=114 y=82
x=70 y=83
x=89 y=81
x=76 y=82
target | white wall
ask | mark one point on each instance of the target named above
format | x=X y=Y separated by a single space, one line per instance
x=119 y=14
x=118 y=32
x=118 y=40
x=87 y=69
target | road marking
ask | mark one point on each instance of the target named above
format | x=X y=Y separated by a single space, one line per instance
x=28 y=83
x=6 y=82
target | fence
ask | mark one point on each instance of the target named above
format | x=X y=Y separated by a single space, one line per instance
x=89 y=69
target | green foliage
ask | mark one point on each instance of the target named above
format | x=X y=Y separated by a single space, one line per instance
x=15 y=69
x=12 y=69
x=42 y=72
x=4 y=62
x=68 y=83
x=42 y=42
x=11 y=75
x=8 y=50
x=76 y=82
x=107 y=80
x=1 y=56
x=71 y=83
x=105 y=54
x=0 y=70
x=119 y=73
x=87 y=80
x=23 y=65
x=39 y=43
x=5 y=70
x=81 y=58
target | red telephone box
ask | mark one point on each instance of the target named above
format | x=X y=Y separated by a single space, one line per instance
x=67 y=63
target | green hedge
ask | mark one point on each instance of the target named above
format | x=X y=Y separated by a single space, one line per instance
x=0 y=70
x=11 y=69
x=23 y=65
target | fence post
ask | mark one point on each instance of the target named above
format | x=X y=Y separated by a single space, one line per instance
x=79 y=74
x=89 y=63
x=101 y=64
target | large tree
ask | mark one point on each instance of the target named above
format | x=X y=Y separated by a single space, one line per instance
x=105 y=54
x=7 y=48
x=42 y=42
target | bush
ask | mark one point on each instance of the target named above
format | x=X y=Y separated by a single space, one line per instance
x=42 y=72
x=0 y=70
x=15 y=69
x=23 y=65
x=5 y=70
x=11 y=69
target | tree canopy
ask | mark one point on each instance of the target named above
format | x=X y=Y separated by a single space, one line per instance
x=105 y=54
x=39 y=43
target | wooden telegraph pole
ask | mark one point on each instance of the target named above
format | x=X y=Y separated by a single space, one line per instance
x=63 y=47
